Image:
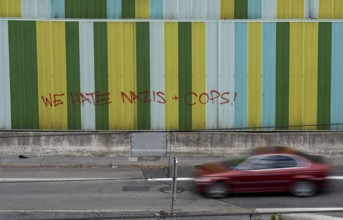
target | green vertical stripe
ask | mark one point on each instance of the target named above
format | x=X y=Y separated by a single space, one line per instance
x=324 y=75
x=73 y=75
x=71 y=8
x=241 y=9
x=23 y=76
x=282 y=74
x=101 y=76
x=128 y=8
x=100 y=8
x=86 y=8
x=143 y=74
x=93 y=8
x=185 y=75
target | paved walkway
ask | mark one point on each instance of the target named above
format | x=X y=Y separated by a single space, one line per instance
x=110 y=162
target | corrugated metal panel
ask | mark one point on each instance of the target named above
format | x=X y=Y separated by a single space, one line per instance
x=10 y=8
x=255 y=9
x=268 y=74
x=226 y=79
x=170 y=75
x=36 y=9
x=87 y=75
x=269 y=9
x=254 y=75
x=330 y=9
x=157 y=75
x=51 y=60
x=23 y=74
x=57 y=9
x=142 y=9
x=336 y=115
x=185 y=9
x=286 y=9
x=5 y=98
x=156 y=9
x=172 y=9
x=212 y=74
x=213 y=9
x=314 y=8
x=241 y=74
x=171 y=71
x=114 y=9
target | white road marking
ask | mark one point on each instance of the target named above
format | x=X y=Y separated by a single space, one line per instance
x=4 y=180
x=335 y=177
x=297 y=210
x=170 y=179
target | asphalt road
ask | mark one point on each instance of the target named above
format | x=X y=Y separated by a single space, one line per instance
x=90 y=193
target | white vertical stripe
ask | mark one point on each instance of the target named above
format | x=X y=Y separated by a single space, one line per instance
x=43 y=8
x=212 y=74
x=185 y=9
x=29 y=8
x=213 y=9
x=5 y=93
x=87 y=73
x=269 y=9
x=157 y=75
x=226 y=73
x=199 y=9
x=170 y=9
x=314 y=8
x=306 y=9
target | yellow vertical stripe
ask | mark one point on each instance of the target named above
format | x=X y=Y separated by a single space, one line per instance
x=171 y=72
x=326 y=8
x=296 y=74
x=142 y=8
x=10 y=8
x=338 y=9
x=297 y=9
x=122 y=75
x=129 y=73
x=310 y=74
x=282 y=8
x=199 y=75
x=51 y=56
x=290 y=9
x=227 y=9
x=115 y=76
x=254 y=74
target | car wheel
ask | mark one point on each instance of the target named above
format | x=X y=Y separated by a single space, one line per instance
x=218 y=190
x=304 y=188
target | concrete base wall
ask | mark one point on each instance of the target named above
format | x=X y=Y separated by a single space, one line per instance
x=329 y=144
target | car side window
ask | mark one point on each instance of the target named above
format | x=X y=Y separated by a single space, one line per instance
x=264 y=163
x=283 y=161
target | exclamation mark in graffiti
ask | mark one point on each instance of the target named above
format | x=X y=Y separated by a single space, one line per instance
x=234 y=99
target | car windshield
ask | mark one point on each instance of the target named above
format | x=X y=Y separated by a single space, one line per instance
x=246 y=164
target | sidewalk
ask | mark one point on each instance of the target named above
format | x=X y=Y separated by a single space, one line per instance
x=115 y=162
x=100 y=162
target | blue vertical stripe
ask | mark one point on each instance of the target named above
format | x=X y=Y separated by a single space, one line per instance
x=268 y=74
x=255 y=9
x=337 y=77
x=114 y=9
x=156 y=8
x=241 y=74
x=57 y=8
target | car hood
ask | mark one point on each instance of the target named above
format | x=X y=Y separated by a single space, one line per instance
x=211 y=168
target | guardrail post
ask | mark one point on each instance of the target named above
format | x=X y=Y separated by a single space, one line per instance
x=174 y=183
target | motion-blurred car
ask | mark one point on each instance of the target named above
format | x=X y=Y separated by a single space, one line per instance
x=265 y=169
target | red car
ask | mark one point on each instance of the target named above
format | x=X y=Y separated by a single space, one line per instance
x=267 y=169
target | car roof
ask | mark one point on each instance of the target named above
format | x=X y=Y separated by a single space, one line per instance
x=265 y=150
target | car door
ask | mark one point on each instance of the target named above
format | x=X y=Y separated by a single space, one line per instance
x=266 y=173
